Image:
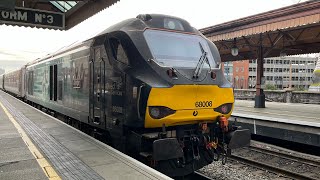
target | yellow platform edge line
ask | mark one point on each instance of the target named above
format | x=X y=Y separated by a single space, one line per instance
x=43 y=163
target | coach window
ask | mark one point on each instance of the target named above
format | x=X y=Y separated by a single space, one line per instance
x=118 y=52
x=60 y=84
x=30 y=82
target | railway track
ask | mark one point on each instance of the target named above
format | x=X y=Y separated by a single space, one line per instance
x=195 y=176
x=280 y=162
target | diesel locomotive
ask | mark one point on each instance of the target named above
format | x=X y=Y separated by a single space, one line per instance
x=151 y=86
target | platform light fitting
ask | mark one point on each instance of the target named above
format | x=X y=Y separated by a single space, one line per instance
x=234 y=49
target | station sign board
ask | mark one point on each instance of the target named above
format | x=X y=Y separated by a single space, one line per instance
x=33 y=18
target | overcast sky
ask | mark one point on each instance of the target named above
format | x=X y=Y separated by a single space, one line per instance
x=26 y=44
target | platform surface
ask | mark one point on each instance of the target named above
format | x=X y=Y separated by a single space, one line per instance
x=293 y=113
x=71 y=153
x=16 y=161
x=291 y=122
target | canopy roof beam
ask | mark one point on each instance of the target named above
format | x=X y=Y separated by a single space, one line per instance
x=52 y=14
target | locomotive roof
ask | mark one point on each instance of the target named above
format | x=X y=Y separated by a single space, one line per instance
x=61 y=51
x=140 y=23
x=143 y=21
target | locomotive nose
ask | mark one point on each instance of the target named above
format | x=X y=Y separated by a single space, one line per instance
x=187 y=104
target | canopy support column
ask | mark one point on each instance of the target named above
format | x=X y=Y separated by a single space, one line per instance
x=260 y=97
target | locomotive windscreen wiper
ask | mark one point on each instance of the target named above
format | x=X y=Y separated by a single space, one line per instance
x=203 y=58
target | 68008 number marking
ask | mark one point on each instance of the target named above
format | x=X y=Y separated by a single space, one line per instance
x=203 y=104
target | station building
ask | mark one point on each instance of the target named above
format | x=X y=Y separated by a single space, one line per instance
x=315 y=86
x=280 y=72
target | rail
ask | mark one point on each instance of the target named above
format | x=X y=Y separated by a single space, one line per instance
x=292 y=166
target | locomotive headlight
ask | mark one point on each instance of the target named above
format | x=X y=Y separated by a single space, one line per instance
x=155 y=112
x=158 y=112
x=170 y=23
x=224 y=108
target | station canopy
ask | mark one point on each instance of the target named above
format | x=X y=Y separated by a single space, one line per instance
x=61 y=15
x=290 y=30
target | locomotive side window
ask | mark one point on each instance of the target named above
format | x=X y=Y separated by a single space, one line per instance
x=53 y=82
x=118 y=52
x=55 y=77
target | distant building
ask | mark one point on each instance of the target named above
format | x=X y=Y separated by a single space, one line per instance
x=241 y=74
x=278 y=71
x=227 y=68
x=2 y=71
x=315 y=86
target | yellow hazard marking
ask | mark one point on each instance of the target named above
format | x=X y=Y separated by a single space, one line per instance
x=44 y=164
x=50 y=171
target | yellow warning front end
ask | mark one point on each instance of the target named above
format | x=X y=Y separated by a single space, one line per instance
x=187 y=104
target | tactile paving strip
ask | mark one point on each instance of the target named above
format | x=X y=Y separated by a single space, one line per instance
x=67 y=164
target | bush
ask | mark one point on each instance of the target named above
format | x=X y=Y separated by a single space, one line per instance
x=271 y=87
x=301 y=88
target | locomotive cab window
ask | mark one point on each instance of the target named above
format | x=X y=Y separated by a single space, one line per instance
x=171 y=49
x=118 y=52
